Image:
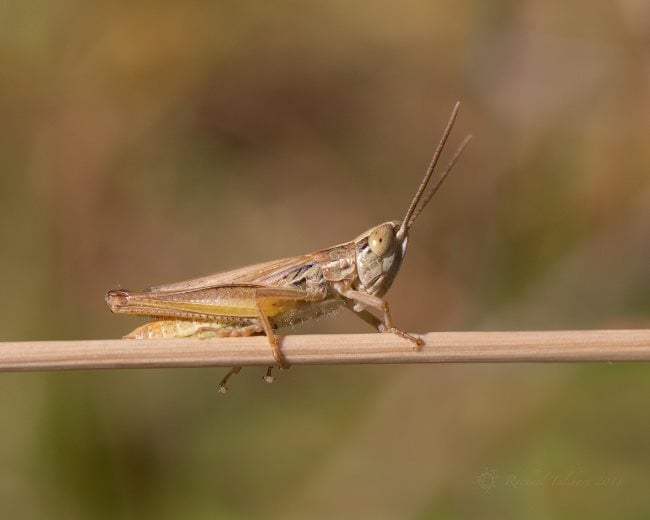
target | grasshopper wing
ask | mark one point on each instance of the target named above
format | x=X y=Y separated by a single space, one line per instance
x=258 y=274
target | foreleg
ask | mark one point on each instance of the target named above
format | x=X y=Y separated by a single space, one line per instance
x=357 y=301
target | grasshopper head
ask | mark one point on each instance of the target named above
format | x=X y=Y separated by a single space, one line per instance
x=378 y=254
x=380 y=250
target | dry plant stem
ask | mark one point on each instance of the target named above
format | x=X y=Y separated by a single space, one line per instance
x=439 y=347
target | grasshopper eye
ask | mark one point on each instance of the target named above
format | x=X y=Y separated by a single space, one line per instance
x=381 y=240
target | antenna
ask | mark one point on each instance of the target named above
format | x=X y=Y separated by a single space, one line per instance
x=401 y=233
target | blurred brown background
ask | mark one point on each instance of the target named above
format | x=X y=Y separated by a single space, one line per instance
x=152 y=142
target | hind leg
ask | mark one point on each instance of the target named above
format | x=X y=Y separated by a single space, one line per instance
x=246 y=330
x=222 y=384
x=165 y=329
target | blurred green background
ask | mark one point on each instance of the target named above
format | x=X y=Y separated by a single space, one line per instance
x=143 y=143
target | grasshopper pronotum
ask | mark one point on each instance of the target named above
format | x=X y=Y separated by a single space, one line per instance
x=261 y=298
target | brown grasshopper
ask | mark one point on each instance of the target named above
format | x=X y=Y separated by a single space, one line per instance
x=264 y=297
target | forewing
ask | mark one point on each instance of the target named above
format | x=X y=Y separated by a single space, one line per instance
x=258 y=274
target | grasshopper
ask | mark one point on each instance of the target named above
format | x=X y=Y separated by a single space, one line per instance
x=264 y=297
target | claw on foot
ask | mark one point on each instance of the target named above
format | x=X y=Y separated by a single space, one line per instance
x=269 y=377
x=417 y=341
x=223 y=388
